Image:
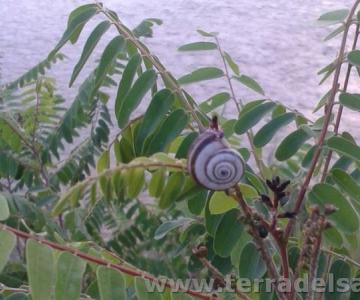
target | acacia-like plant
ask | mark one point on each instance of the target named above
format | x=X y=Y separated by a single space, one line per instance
x=96 y=199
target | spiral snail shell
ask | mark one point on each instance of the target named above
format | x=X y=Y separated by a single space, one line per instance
x=212 y=163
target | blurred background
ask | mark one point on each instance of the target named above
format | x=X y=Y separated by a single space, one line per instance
x=276 y=42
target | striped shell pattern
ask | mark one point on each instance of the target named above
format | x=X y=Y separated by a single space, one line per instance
x=212 y=163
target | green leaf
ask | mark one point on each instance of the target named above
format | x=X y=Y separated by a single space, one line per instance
x=198 y=46
x=70 y=270
x=227 y=233
x=291 y=144
x=168 y=226
x=7 y=244
x=206 y=73
x=267 y=132
x=340 y=270
x=4 y=208
x=90 y=45
x=133 y=98
x=211 y=221
x=157 y=183
x=126 y=81
x=232 y=64
x=206 y=34
x=345 y=218
x=135 y=180
x=77 y=20
x=347 y=183
x=334 y=33
x=333 y=17
x=351 y=101
x=181 y=296
x=168 y=131
x=220 y=203
x=172 y=189
x=156 y=111
x=214 y=102
x=103 y=162
x=108 y=58
x=141 y=288
x=345 y=147
x=250 y=118
x=40 y=269
x=250 y=83
x=17 y=296
x=111 y=284
x=251 y=264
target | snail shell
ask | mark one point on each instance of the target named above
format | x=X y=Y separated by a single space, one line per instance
x=212 y=163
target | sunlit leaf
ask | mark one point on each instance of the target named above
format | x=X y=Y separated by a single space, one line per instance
x=220 y=203
x=172 y=189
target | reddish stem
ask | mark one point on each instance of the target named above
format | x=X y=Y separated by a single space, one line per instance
x=102 y=262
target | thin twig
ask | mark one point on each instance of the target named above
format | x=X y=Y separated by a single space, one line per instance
x=339 y=114
x=127 y=33
x=304 y=187
x=239 y=105
x=99 y=261
x=262 y=248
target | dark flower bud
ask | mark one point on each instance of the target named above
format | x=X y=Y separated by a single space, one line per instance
x=283 y=186
x=263 y=233
x=266 y=200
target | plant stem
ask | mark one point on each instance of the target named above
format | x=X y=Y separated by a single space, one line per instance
x=99 y=261
x=271 y=269
x=168 y=78
x=305 y=185
x=239 y=105
x=339 y=114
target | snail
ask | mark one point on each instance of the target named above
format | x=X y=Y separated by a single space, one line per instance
x=211 y=161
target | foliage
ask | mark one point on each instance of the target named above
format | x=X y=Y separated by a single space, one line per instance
x=99 y=194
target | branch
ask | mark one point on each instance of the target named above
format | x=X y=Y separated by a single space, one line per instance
x=201 y=253
x=93 y=259
x=167 y=77
x=239 y=105
x=303 y=189
x=339 y=114
x=271 y=269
